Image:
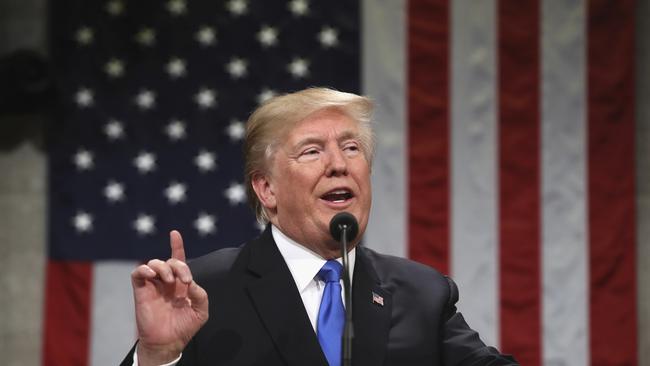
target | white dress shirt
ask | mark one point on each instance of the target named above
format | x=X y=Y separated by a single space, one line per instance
x=304 y=265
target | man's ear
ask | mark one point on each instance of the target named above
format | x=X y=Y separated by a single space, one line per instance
x=264 y=191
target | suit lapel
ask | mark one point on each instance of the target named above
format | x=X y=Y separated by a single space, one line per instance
x=277 y=301
x=371 y=318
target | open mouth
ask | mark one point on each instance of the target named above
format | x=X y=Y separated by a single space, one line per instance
x=338 y=195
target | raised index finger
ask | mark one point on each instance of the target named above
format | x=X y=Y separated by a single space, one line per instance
x=176 y=242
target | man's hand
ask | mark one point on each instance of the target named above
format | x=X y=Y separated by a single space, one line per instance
x=169 y=306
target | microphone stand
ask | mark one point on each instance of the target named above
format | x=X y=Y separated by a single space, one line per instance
x=348 y=330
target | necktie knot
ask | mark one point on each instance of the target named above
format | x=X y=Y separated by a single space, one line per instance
x=331 y=271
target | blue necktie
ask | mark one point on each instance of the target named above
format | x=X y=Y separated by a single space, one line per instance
x=331 y=315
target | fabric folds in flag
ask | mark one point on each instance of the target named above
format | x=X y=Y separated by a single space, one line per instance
x=502 y=172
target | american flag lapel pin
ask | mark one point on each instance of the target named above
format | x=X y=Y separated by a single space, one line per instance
x=376 y=299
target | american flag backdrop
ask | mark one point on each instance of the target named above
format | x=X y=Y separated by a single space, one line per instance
x=505 y=153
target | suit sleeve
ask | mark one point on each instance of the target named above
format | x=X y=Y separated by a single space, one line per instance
x=461 y=344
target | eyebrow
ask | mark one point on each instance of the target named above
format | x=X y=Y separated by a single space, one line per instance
x=346 y=135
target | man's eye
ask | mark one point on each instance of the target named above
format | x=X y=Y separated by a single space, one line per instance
x=351 y=148
x=310 y=152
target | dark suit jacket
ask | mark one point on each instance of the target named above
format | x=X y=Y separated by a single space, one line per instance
x=257 y=316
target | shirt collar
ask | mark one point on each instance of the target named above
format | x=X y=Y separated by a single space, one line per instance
x=304 y=263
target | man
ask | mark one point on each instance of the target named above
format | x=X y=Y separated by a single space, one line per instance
x=308 y=157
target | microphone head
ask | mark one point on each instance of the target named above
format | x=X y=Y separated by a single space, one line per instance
x=344 y=220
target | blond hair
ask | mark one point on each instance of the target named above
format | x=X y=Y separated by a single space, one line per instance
x=274 y=118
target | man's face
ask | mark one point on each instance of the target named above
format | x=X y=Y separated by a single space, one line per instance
x=318 y=170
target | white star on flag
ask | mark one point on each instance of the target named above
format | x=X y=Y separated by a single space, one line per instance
x=205 y=224
x=83 y=159
x=175 y=130
x=176 y=68
x=236 y=193
x=144 y=224
x=206 y=36
x=205 y=161
x=175 y=192
x=299 y=68
x=114 y=68
x=82 y=222
x=260 y=226
x=84 y=97
x=237 y=7
x=237 y=68
x=176 y=7
x=114 y=130
x=114 y=191
x=115 y=7
x=146 y=99
x=328 y=37
x=299 y=7
x=236 y=130
x=205 y=98
x=146 y=37
x=145 y=162
x=84 y=36
x=267 y=36
x=265 y=95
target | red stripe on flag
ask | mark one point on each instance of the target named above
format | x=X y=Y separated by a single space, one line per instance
x=67 y=314
x=613 y=315
x=519 y=176
x=428 y=109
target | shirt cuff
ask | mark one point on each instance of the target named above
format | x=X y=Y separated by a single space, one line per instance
x=135 y=359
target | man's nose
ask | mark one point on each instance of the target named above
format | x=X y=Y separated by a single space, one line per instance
x=337 y=163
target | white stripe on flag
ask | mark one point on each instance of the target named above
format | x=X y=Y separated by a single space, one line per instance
x=474 y=187
x=383 y=79
x=564 y=177
x=113 y=320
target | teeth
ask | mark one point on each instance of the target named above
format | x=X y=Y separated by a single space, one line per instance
x=338 y=196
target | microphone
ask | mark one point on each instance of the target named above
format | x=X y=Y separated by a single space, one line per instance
x=344 y=221
x=343 y=228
